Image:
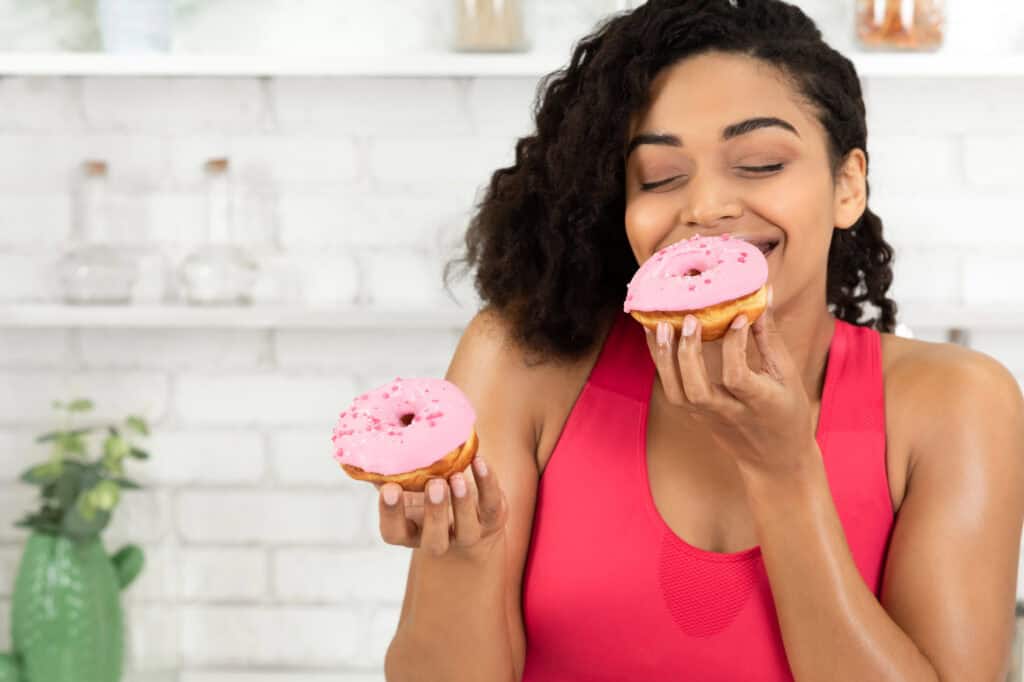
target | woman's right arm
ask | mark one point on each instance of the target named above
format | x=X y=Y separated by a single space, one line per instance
x=461 y=617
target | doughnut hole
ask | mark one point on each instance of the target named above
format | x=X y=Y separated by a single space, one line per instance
x=406 y=419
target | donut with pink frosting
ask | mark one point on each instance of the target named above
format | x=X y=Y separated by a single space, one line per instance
x=406 y=431
x=714 y=278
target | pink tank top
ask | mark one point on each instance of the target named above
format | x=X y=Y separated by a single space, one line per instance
x=610 y=592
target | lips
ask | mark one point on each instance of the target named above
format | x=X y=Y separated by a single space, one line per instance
x=764 y=245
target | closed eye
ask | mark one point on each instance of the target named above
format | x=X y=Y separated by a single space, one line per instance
x=755 y=169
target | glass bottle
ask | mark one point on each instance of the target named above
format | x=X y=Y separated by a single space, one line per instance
x=218 y=271
x=94 y=271
x=489 y=26
x=901 y=24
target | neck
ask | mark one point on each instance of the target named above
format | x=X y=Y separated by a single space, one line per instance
x=807 y=335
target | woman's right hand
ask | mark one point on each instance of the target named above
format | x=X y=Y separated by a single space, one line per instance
x=459 y=525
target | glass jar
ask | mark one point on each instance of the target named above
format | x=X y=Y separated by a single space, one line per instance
x=218 y=271
x=489 y=26
x=93 y=270
x=901 y=24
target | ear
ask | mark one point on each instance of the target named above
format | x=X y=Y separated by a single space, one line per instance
x=851 y=190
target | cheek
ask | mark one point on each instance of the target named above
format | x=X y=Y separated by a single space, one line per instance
x=646 y=224
x=798 y=206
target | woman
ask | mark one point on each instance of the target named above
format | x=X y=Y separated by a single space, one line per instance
x=809 y=498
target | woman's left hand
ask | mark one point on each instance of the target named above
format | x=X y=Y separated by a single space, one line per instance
x=762 y=418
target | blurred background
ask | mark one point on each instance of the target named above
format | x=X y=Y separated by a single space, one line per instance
x=230 y=217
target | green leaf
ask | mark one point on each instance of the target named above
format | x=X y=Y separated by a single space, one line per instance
x=66 y=490
x=104 y=496
x=138 y=453
x=71 y=442
x=41 y=474
x=80 y=405
x=84 y=521
x=55 y=435
x=138 y=423
x=116 y=447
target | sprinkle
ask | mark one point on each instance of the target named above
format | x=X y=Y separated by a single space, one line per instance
x=693 y=288
x=385 y=396
x=707 y=281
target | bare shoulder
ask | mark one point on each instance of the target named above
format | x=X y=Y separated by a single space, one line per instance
x=962 y=415
x=536 y=389
x=932 y=387
x=490 y=365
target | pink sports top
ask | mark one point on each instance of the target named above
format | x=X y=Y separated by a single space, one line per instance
x=611 y=593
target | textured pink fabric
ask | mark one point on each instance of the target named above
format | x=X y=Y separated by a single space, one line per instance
x=610 y=592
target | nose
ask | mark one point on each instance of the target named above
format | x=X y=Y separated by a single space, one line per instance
x=708 y=201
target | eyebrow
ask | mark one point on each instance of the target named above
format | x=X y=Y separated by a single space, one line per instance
x=728 y=133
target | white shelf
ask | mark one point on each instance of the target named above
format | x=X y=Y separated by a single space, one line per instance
x=443 y=65
x=917 y=317
x=439 y=65
x=255 y=317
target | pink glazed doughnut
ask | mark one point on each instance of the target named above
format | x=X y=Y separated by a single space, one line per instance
x=407 y=432
x=713 y=278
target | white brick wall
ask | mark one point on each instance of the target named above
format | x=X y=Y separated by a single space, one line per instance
x=264 y=562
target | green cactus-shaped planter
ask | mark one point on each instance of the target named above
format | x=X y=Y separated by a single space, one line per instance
x=66 y=621
x=66 y=618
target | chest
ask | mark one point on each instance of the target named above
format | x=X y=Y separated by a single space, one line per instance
x=698 y=492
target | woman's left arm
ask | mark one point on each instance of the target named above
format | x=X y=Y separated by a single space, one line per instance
x=947 y=605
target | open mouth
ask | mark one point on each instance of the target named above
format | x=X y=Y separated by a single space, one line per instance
x=765 y=247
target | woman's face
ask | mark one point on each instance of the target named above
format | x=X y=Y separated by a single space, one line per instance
x=770 y=184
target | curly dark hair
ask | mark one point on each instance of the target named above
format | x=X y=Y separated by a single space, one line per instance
x=548 y=238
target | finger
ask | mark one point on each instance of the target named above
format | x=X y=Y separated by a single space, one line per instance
x=696 y=382
x=737 y=376
x=467 y=522
x=775 y=359
x=395 y=528
x=435 y=535
x=490 y=498
x=662 y=345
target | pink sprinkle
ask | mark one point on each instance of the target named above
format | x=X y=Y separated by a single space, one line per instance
x=385 y=396
x=707 y=281
x=394 y=388
x=431 y=424
x=693 y=288
x=720 y=261
x=708 y=252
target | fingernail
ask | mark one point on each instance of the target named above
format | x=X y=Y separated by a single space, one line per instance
x=740 y=322
x=689 y=325
x=436 y=491
x=458 y=485
x=481 y=466
x=390 y=496
x=664 y=334
x=769 y=295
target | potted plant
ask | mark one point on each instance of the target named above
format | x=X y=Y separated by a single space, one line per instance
x=66 y=618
